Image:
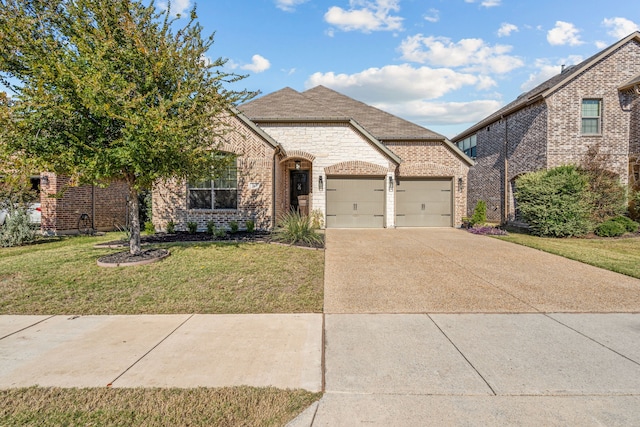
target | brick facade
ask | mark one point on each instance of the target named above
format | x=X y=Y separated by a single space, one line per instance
x=434 y=159
x=62 y=204
x=255 y=163
x=545 y=132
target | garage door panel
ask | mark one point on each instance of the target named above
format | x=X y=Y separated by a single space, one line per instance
x=424 y=203
x=355 y=202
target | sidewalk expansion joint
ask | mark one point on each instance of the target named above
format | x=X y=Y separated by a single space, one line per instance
x=150 y=350
x=462 y=354
x=27 y=327
x=592 y=339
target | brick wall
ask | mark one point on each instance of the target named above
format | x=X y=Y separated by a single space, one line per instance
x=434 y=159
x=255 y=170
x=566 y=145
x=62 y=204
x=548 y=133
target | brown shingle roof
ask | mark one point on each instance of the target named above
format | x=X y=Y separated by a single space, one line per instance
x=321 y=103
x=547 y=87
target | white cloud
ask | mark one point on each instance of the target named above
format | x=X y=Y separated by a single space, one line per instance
x=472 y=54
x=600 y=44
x=620 y=27
x=546 y=70
x=289 y=5
x=486 y=3
x=506 y=29
x=433 y=16
x=366 y=16
x=564 y=33
x=397 y=83
x=442 y=113
x=258 y=64
x=178 y=7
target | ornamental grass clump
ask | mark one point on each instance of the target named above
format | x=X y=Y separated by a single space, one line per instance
x=295 y=228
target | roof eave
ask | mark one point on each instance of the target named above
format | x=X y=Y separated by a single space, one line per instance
x=397 y=160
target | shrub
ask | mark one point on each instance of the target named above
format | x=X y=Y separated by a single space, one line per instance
x=211 y=227
x=630 y=225
x=220 y=233
x=171 y=227
x=250 y=225
x=233 y=227
x=610 y=228
x=317 y=219
x=479 y=213
x=634 y=204
x=294 y=228
x=149 y=228
x=608 y=195
x=487 y=231
x=192 y=227
x=17 y=229
x=556 y=202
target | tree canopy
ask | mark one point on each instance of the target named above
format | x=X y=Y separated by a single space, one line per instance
x=113 y=90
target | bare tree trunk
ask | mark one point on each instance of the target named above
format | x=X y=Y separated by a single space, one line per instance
x=134 y=222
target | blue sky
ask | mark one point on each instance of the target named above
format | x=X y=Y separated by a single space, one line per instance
x=444 y=64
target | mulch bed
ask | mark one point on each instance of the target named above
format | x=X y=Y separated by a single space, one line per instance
x=183 y=236
x=124 y=259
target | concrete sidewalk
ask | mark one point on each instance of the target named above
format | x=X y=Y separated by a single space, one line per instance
x=280 y=350
x=480 y=370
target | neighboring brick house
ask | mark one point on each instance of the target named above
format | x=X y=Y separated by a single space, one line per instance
x=353 y=164
x=63 y=204
x=592 y=104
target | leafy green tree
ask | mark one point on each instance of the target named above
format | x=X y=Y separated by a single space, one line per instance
x=113 y=90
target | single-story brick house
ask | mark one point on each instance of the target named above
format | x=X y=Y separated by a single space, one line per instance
x=594 y=103
x=323 y=152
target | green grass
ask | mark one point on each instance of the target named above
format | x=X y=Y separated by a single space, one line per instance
x=619 y=255
x=61 y=277
x=235 y=406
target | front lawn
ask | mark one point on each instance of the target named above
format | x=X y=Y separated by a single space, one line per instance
x=234 y=406
x=619 y=255
x=61 y=277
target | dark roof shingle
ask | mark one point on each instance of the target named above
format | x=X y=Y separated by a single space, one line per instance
x=321 y=103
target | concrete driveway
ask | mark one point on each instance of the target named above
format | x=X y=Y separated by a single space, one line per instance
x=442 y=327
x=445 y=270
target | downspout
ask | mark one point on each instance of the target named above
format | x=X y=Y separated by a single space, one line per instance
x=505 y=217
x=273 y=188
x=93 y=207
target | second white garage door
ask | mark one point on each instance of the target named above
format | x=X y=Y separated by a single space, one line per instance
x=355 y=202
x=424 y=203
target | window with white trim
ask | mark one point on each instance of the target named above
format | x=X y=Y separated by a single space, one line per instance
x=220 y=192
x=591 y=117
x=468 y=146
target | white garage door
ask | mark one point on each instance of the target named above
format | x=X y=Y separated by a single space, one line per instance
x=355 y=202
x=424 y=203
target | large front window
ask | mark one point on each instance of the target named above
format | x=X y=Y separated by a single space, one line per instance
x=217 y=193
x=591 y=116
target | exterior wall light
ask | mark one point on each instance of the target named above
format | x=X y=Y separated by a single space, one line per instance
x=320 y=183
x=390 y=184
x=460 y=184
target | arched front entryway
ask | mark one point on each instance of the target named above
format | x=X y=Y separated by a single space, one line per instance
x=297 y=188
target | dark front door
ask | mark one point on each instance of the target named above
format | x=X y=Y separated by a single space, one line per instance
x=299 y=186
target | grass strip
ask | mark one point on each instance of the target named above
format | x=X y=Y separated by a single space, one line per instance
x=621 y=255
x=231 y=406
